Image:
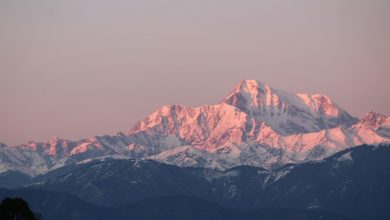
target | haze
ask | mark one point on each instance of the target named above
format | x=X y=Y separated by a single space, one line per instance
x=76 y=69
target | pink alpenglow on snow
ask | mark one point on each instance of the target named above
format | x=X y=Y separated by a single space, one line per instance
x=254 y=125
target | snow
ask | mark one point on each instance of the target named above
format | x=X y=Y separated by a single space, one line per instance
x=307 y=99
x=280 y=174
x=345 y=158
x=254 y=125
x=3 y=168
x=283 y=111
x=374 y=120
x=172 y=141
x=225 y=174
x=80 y=148
x=64 y=178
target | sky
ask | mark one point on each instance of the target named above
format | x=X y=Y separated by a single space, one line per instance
x=78 y=68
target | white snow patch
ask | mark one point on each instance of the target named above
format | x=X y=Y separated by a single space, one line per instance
x=345 y=158
x=281 y=174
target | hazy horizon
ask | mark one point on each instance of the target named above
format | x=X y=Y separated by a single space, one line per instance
x=76 y=69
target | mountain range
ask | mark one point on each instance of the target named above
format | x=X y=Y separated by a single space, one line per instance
x=59 y=206
x=254 y=125
x=260 y=153
x=351 y=184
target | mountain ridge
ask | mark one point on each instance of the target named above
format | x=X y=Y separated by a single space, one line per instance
x=353 y=183
x=59 y=206
x=254 y=125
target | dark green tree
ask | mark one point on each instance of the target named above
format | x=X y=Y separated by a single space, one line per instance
x=15 y=209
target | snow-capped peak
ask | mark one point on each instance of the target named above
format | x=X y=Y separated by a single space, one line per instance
x=254 y=96
x=321 y=104
x=253 y=87
x=374 y=119
x=254 y=125
x=249 y=94
x=55 y=140
x=285 y=112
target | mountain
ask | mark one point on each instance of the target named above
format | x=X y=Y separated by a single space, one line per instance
x=287 y=113
x=58 y=206
x=254 y=125
x=353 y=183
x=13 y=179
x=193 y=208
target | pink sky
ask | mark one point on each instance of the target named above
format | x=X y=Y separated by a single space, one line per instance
x=75 y=69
